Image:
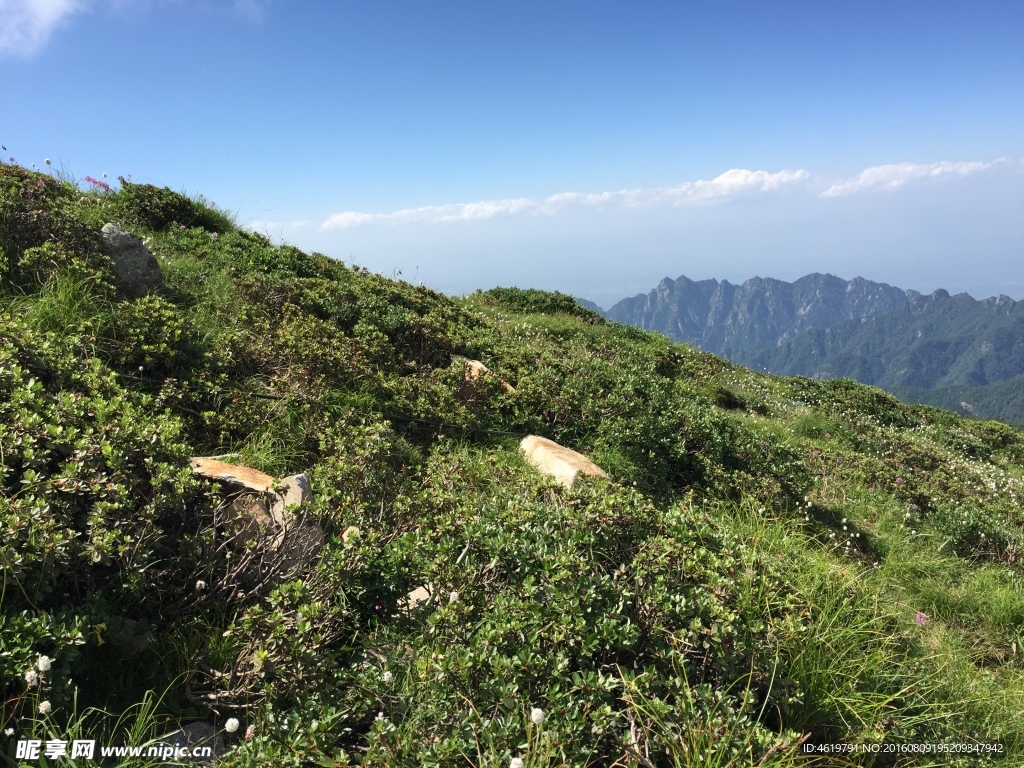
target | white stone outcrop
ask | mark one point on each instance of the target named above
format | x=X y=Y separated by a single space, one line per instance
x=561 y=463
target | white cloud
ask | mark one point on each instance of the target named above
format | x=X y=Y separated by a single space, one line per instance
x=729 y=184
x=27 y=25
x=892 y=177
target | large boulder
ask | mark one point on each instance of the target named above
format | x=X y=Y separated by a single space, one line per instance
x=556 y=460
x=267 y=509
x=136 y=270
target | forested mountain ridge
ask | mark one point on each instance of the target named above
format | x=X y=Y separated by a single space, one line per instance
x=728 y=319
x=935 y=341
x=821 y=326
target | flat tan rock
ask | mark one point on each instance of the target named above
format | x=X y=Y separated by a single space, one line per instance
x=556 y=460
x=416 y=598
x=476 y=370
x=247 y=477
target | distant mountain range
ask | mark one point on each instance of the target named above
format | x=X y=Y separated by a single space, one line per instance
x=952 y=351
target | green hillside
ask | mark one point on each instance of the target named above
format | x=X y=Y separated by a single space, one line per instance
x=775 y=568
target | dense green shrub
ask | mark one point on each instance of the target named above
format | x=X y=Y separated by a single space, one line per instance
x=531 y=300
x=159 y=208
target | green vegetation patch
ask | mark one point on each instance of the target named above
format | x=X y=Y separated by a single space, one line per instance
x=773 y=565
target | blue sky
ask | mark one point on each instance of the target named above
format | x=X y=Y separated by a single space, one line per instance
x=589 y=147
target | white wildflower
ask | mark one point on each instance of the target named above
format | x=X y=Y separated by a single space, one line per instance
x=31 y=677
x=517 y=762
x=380 y=716
x=8 y=732
x=231 y=725
x=388 y=677
x=453 y=597
x=43 y=665
x=200 y=585
x=537 y=716
x=44 y=707
x=47 y=161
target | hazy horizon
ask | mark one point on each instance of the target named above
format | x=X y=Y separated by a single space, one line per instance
x=585 y=147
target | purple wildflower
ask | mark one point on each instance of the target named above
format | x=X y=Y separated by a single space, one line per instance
x=899 y=480
x=921 y=619
x=815 y=453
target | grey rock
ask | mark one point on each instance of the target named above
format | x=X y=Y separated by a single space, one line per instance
x=136 y=270
x=292 y=492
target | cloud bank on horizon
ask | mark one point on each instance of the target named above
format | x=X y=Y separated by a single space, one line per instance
x=729 y=185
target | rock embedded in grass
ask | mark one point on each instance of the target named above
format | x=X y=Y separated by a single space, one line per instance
x=475 y=370
x=270 y=510
x=136 y=270
x=561 y=463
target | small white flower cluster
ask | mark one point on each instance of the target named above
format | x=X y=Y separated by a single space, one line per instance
x=537 y=716
x=231 y=724
x=43 y=665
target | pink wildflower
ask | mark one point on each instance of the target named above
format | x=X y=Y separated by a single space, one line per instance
x=921 y=619
x=899 y=480
x=815 y=453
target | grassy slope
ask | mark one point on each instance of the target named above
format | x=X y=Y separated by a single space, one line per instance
x=774 y=560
